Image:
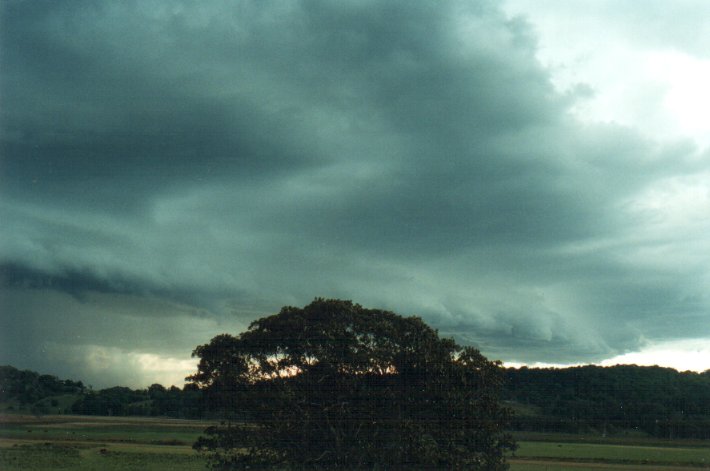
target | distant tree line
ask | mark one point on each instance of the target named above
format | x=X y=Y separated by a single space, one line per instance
x=155 y=401
x=661 y=402
x=28 y=387
x=31 y=392
x=28 y=391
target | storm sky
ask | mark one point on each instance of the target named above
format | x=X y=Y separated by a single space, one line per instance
x=530 y=177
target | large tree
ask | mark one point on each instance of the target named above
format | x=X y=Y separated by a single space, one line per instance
x=336 y=386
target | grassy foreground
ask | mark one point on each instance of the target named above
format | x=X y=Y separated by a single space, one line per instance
x=120 y=443
x=91 y=457
x=553 y=452
x=91 y=443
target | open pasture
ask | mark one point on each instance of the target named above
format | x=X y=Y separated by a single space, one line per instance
x=146 y=430
x=130 y=443
x=555 y=453
x=106 y=443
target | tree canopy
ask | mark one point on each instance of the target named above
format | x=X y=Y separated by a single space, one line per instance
x=661 y=402
x=336 y=386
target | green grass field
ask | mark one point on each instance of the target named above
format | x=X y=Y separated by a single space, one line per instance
x=91 y=457
x=120 y=443
x=619 y=453
x=92 y=443
x=639 y=454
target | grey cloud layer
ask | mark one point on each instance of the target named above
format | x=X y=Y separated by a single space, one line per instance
x=238 y=156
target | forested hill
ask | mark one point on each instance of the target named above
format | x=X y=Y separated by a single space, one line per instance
x=658 y=401
x=589 y=399
x=28 y=392
x=29 y=387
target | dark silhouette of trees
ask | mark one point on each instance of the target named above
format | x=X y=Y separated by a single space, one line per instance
x=25 y=390
x=154 y=401
x=659 y=401
x=337 y=386
x=656 y=401
x=28 y=387
x=111 y=401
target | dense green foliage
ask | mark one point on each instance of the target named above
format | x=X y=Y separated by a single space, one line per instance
x=337 y=386
x=659 y=401
x=41 y=394
x=28 y=387
x=156 y=400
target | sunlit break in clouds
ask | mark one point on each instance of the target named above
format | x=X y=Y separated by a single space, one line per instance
x=530 y=177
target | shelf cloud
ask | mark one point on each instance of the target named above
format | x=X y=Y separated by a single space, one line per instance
x=173 y=170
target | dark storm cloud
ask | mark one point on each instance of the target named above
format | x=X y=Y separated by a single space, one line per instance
x=239 y=156
x=75 y=283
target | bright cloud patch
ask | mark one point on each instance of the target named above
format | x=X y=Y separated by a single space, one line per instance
x=687 y=97
x=685 y=354
x=133 y=369
x=634 y=66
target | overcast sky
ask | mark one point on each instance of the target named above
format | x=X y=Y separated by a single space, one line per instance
x=530 y=177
